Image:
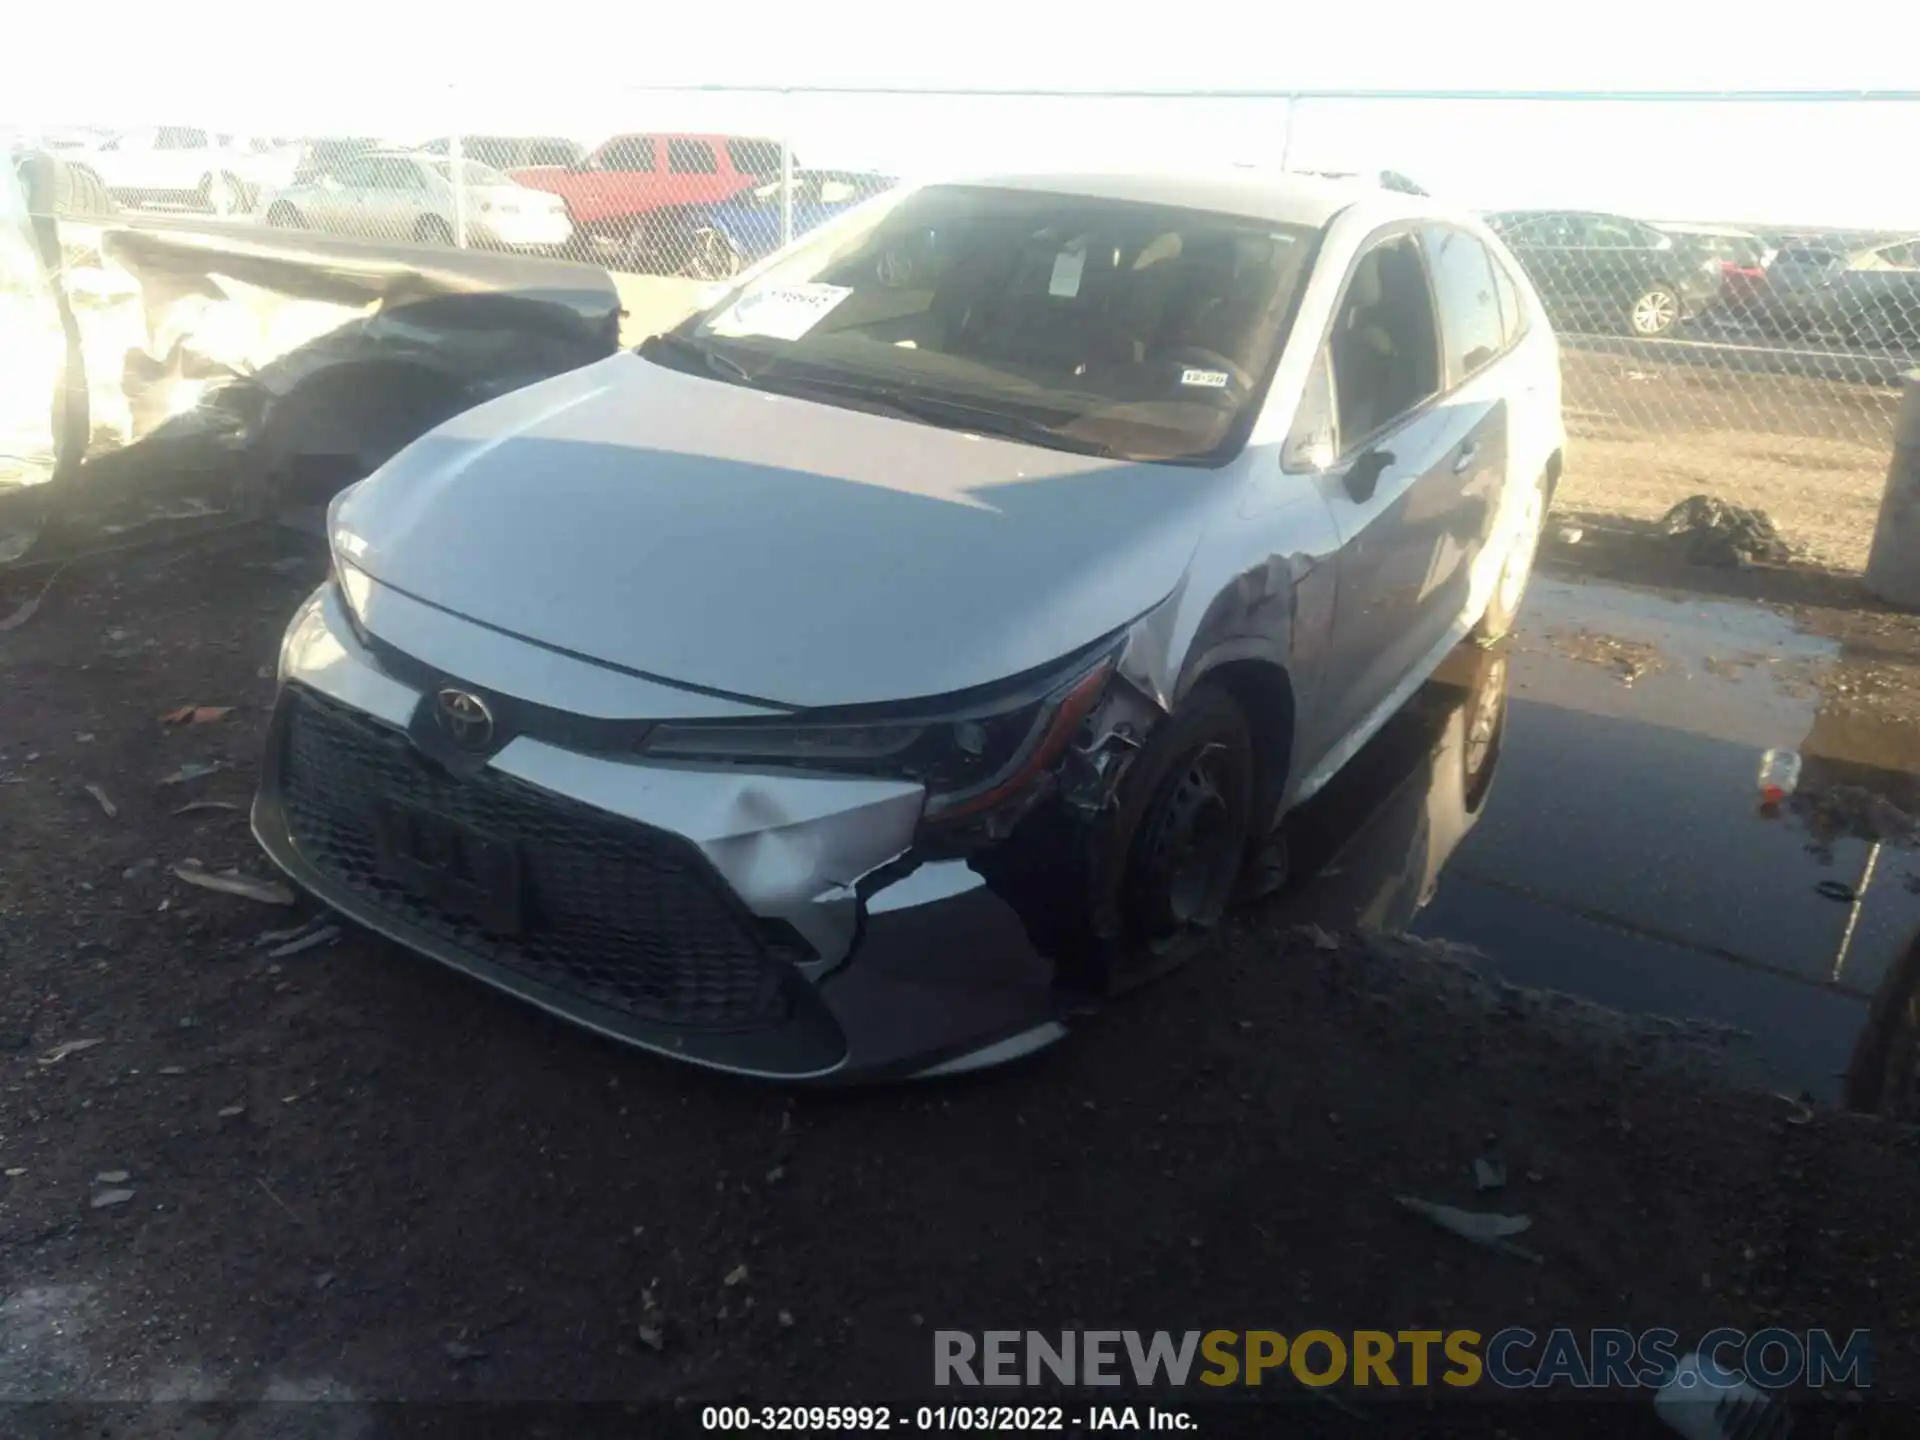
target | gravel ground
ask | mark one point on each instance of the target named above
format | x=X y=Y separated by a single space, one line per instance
x=355 y=1175
x=1812 y=453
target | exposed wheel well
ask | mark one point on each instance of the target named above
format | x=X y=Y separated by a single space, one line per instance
x=1265 y=693
x=1555 y=463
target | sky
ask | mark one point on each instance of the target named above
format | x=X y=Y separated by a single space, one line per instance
x=591 y=67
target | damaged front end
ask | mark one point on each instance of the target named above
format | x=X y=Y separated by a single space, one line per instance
x=803 y=896
x=220 y=372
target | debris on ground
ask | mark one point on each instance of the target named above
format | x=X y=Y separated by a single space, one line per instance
x=196 y=714
x=232 y=882
x=111 y=810
x=192 y=770
x=1714 y=532
x=193 y=807
x=312 y=940
x=109 y=1198
x=227 y=1112
x=66 y=1048
x=1628 y=659
x=1489 y=1174
x=461 y=1353
x=112 y=1177
x=1570 y=534
x=735 y=1275
x=1481 y=1227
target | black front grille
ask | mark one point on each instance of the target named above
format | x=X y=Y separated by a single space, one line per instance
x=618 y=913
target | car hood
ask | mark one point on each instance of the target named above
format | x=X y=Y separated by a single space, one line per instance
x=768 y=547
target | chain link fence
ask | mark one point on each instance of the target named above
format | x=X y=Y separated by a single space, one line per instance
x=1713 y=344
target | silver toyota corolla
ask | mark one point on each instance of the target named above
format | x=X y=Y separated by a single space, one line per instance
x=935 y=627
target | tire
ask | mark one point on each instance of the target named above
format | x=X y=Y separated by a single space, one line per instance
x=1883 y=1076
x=1654 y=312
x=218 y=194
x=1510 y=590
x=63 y=190
x=712 y=255
x=432 y=230
x=1159 y=870
x=286 y=217
x=1486 y=718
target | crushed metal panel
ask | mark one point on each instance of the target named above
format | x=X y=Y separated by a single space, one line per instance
x=232 y=370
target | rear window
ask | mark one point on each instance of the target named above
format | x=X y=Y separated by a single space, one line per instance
x=754 y=157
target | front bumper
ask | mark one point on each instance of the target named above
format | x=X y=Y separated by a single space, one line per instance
x=742 y=921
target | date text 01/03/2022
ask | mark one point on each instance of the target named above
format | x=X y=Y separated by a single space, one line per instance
x=979 y=1419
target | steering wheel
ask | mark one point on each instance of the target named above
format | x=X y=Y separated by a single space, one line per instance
x=1194 y=357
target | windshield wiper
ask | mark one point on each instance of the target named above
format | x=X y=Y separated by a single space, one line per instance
x=674 y=342
x=937 y=410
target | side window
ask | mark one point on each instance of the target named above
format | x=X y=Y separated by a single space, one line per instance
x=1603 y=233
x=1547 y=230
x=691 y=157
x=1513 y=312
x=552 y=152
x=754 y=157
x=1469 y=304
x=629 y=153
x=1386 y=357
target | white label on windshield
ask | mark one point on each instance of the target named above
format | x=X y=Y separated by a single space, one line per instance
x=1067 y=266
x=1208 y=379
x=780 y=312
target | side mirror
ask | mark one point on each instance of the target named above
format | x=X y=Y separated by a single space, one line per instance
x=1363 y=476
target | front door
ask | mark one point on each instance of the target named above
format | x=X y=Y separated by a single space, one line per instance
x=1394 y=487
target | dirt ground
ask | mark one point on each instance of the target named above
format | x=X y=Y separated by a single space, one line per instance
x=1812 y=453
x=354 y=1175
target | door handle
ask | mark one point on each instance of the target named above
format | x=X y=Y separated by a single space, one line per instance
x=1467 y=454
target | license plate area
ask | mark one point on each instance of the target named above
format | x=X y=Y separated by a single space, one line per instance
x=464 y=871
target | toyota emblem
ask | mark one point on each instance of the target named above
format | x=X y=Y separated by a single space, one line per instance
x=463 y=718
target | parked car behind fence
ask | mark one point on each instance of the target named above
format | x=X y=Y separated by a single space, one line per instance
x=642 y=195
x=401 y=195
x=1609 y=272
x=735 y=233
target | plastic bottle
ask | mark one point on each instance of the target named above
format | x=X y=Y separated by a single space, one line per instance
x=1779 y=775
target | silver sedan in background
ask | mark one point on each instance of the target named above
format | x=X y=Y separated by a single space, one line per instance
x=399 y=195
x=937 y=625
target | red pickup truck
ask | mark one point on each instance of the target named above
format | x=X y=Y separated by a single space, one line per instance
x=642 y=191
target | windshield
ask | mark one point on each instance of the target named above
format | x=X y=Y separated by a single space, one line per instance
x=1142 y=331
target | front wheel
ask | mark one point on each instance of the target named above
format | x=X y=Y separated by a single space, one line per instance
x=1654 y=312
x=432 y=230
x=1162 y=866
x=1503 y=607
x=711 y=255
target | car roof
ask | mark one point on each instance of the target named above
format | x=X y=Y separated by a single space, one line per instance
x=1687 y=227
x=1281 y=198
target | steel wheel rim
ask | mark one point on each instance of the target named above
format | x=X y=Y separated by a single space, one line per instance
x=1654 y=312
x=1484 y=724
x=1190 y=857
x=713 y=257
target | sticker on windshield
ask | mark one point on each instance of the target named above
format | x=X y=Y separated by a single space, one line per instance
x=1205 y=379
x=779 y=312
x=1067 y=268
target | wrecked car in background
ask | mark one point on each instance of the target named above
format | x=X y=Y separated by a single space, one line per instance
x=192 y=371
x=938 y=624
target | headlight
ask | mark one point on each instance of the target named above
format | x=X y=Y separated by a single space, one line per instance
x=970 y=760
x=350 y=582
